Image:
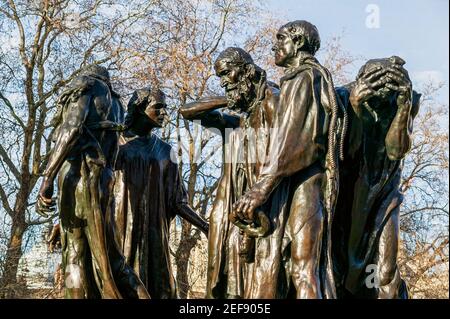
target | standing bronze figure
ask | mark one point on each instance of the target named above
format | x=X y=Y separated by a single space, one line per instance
x=244 y=258
x=307 y=205
x=383 y=106
x=149 y=194
x=306 y=147
x=83 y=156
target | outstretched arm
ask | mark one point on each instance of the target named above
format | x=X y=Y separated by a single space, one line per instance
x=69 y=133
x=178 y=199
x=185 y=211
x=195 y=110
x=206 y=110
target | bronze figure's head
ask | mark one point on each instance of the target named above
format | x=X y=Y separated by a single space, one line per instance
x=239 y=76
x=97 y=71
x=146 y=106
x=293 y=38
x=383 y=94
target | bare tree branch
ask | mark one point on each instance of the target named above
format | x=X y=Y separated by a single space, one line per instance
x=9 y=163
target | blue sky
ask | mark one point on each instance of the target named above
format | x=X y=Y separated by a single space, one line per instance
x=416 y=30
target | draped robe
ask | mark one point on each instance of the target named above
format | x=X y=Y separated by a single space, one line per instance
x=303 y=167
x=369 y=204
x=149 y=193
x=245 y=152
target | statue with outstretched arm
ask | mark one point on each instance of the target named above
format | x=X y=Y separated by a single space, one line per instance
x=244 y=255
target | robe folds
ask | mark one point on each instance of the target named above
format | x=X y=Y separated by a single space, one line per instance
x=296 y=155
x=149 y=193
x=306 y=152
x=245 y=152
x=86 y=138
x=369 y=205
x=83 y=181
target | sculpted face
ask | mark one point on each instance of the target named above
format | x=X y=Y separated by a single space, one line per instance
x=156 y=110
x=284 y=49
x=228 y=73
x=236 y=84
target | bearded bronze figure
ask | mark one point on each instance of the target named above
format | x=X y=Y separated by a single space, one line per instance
x=244 y=258
x=308 y=200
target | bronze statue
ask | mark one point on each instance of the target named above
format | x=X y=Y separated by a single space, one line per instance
x=244 y=257
x=306 y=146
x=83 y=157
x=383 y=106
x=307 y=202
x=149 y=194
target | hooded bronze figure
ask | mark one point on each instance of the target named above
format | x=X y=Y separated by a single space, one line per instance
x=381 y=107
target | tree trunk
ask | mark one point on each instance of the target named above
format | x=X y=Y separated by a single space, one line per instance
x=183 y=253
x=8 y=283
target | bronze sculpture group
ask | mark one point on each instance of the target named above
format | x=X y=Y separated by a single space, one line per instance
x=308 y=198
